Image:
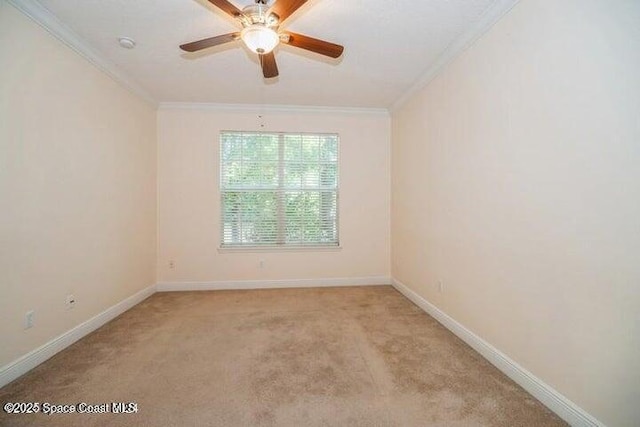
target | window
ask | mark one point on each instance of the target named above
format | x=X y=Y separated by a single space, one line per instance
x=279 y=189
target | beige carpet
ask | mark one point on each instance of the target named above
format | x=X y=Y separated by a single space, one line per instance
x=362 y=356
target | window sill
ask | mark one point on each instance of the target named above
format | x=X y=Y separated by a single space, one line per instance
x=251 y=249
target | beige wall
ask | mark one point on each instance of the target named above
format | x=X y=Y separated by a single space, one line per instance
x=77 y=185
x=516 y=181
x=188 y=215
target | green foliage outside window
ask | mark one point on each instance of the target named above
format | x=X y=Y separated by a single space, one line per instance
x=279 y=189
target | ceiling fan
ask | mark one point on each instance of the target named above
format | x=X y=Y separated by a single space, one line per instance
x=261 y=32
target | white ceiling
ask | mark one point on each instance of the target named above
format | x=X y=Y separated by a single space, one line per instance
x=389 y=45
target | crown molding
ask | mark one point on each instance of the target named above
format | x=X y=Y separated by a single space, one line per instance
x=47 y=20
x=488 y=19
x=271 y=108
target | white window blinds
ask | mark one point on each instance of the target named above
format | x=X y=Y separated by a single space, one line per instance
x=279 y=189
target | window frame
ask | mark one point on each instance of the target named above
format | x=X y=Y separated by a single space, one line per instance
x=280 y=189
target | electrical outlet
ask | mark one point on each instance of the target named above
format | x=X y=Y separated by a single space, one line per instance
x=172 y=264
x=28 y=319
x=71 y=302
x=440 y=286
x=261 y=263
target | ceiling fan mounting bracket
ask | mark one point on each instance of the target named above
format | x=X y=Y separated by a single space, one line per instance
x=258 y=14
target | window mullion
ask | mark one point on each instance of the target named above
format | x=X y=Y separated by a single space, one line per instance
x=241 y=204
x=280 y=192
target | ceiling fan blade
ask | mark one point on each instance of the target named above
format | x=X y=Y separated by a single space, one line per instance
x=210 y=42
x=284 y=8
x=314 y=45
x=269 y=66
x=227 y=7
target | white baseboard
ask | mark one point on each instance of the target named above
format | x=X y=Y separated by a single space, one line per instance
x=271 y=284
x=32 y=359
x=563 y=407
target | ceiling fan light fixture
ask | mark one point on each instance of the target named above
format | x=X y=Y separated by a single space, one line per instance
x=259 y=38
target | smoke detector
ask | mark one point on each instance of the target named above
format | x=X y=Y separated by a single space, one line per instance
x=126 y=42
